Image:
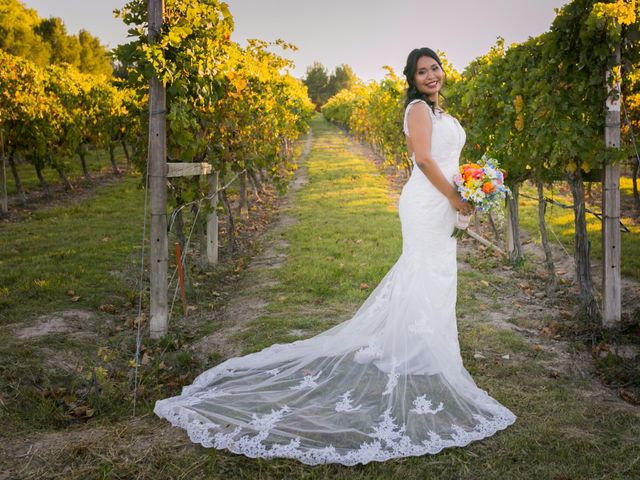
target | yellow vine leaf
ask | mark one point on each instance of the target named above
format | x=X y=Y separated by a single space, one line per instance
x=518 y=102
x=623 y=11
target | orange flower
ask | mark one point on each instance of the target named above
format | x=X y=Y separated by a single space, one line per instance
x=488 y=187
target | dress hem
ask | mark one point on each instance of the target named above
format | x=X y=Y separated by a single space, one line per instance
x=395 y=446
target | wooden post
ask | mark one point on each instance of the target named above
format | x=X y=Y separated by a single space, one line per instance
x=158 y=251
x=611 y=303
x=212 y=221
x=4 y=200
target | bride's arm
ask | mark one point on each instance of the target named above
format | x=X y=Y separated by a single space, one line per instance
x=420 y=124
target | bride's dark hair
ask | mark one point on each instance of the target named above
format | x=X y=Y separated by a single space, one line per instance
x=409 y=72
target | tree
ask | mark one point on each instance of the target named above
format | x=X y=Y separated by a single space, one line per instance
x=93 y=56
x=46 y=41
x=64 y=48
x=317 y=80
x=342 y=78
x=17 y=34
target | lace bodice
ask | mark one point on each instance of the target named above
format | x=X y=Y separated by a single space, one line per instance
x=447 y=135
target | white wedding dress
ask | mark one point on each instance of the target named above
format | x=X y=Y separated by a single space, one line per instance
x=387 y=383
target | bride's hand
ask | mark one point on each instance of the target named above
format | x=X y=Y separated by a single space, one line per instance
x=464 y=207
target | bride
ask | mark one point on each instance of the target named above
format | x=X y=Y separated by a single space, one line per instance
x=390 y=381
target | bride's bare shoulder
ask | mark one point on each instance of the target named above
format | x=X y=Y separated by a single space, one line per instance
x=418 y=111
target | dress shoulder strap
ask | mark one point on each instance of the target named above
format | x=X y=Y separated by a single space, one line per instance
x=405 y=127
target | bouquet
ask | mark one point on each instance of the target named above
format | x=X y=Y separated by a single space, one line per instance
x=481 y=184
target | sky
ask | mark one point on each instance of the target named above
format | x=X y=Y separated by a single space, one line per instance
x=365 y=34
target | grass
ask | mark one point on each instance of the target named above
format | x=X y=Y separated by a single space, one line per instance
x=86 y=248
x=345 y=238
x=75 y=258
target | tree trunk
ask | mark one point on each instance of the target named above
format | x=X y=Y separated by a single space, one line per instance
x=112 y=158
x=43 y=182
x=199 y=227
x=548 y=255
x=4 y=198
x=83 y=161
x=179 y=224
x=200 y=230
x=125 y=149
x=16 y=178
x=493 y=226
x=516 y=254
x=634 y=177
x=588 y=302
x=257 y=185
x=243 y=203
x=230 y=223
x=67 y=184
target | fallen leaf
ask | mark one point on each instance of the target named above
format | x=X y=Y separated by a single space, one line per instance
x=80 y=411
x=108 y=308
x=627 y=396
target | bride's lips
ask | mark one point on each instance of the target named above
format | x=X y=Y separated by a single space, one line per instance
x=432 y=84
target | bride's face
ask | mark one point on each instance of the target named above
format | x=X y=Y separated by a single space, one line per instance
x=428 y=76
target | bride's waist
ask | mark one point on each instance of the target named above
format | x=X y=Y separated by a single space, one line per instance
x=448 y=171
x=448 y=166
